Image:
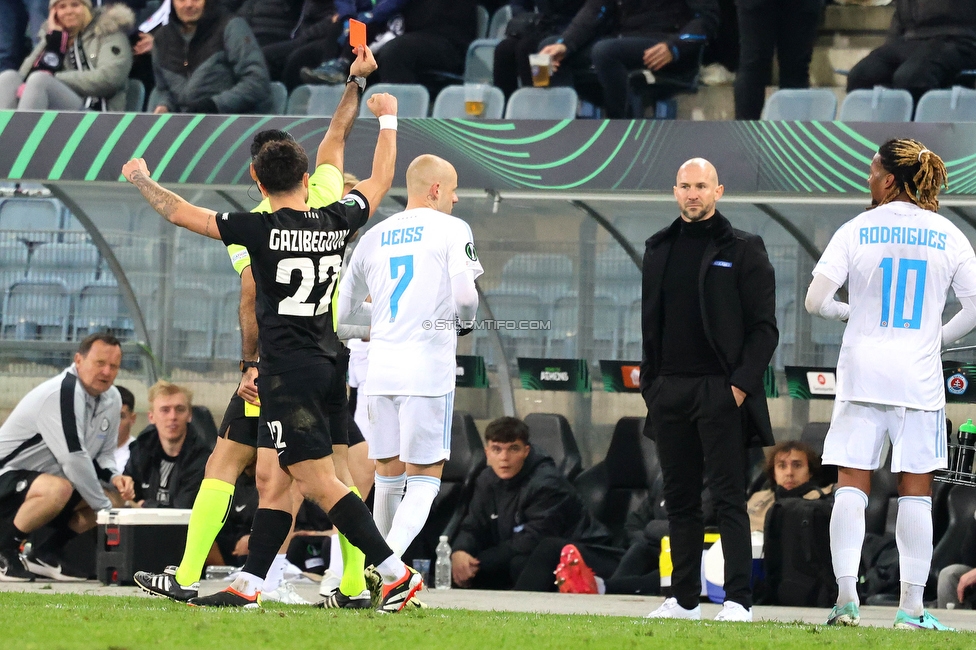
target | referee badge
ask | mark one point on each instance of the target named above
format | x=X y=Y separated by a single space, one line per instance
x=471 y=252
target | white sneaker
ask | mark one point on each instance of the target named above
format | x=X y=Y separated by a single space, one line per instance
x=330 y=583
x=734 y=612
x=286 y=594
x=671 y=609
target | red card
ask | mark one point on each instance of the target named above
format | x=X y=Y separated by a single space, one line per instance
x=357 y=33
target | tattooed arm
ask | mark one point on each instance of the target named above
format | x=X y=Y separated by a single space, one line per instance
x=174 y=208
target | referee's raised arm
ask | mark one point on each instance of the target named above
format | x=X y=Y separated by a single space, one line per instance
x=374 y=188
x=333 y=144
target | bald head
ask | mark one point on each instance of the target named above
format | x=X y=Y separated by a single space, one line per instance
x=431 y=182
x=697 y=190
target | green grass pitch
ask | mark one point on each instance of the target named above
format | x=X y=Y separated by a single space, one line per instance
x=50 y=622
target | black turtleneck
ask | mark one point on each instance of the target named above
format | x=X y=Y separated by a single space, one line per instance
x=684 y=347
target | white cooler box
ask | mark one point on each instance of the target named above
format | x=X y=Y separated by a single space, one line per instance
x=138 y=539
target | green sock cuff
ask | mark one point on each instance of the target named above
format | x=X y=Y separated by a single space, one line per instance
x=353 y=567
x=217 y=485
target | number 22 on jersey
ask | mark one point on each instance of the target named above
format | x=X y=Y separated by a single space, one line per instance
x=902 y=268
x=328 y=271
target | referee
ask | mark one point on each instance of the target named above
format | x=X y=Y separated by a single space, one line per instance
x=709 y=331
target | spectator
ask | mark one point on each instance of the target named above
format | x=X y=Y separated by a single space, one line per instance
x=56 y=446
x=522 y=513
x=929 y=43
x=436 y=35
x=271 y=21
x=664 y=35
x=82 y=63
x=207 y=61
x=126 y=421
x=764 y=25
x=538 y=19
x=314 y=38
x=955 y=587
x=793 y=469
x=168 y=458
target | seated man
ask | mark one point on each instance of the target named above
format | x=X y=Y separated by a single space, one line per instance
x=663 y=35
x=956 y=581
x=929 y=43
x=207 y=61
x=55 y=446
x=168 y=458
x=126 y=421
x=522 y=513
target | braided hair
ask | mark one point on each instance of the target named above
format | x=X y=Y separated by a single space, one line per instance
x=918 y=172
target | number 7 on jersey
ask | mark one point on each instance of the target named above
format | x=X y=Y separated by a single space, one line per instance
x=404 y=262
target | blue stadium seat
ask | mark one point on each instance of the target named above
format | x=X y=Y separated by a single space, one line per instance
x=618 y=276
x=320 y=101
x=36 y=311
x=450 y=103
x=30 y=214
x=13 y=263
x=546 y=275
x=955 y=105
x=74 y=263
x=479 y=63
x=193 y=321
x=499 y=21
x=135 y=96
x=516 y=342
x=563 y=337
x=99 y=307
x=481 y=30
x=801 y=104
x=413 y=100
x=877 y=105
x=279 y=98
x=554 y=103
x=155 y=99
x=228 y=342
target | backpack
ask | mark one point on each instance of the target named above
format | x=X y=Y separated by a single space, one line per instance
x=796 y=549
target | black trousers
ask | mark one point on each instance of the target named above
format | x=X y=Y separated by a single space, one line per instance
x=699 y=437
x=916 y=66
x=639 y=569
x=788 y=27
x=402 y=60
x=285 y=60
x=511 y=62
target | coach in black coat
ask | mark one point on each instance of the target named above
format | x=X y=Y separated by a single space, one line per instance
x=709 y=332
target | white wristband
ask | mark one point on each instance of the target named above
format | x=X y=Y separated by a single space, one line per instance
x=388 y=122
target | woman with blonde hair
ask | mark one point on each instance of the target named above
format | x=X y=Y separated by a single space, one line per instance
x=82 y=61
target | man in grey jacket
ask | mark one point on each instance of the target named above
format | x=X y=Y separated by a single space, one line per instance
x=208 y=61
x=55 y=448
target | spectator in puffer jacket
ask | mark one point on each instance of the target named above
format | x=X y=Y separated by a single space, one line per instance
x=82 y=61
x=206 y=60
x=929 y=43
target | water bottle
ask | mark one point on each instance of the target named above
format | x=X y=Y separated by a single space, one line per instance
x=442 y=570
x=967 y=440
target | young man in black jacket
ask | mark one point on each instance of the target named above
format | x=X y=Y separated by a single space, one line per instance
x=168 y=459
x=709 y=330
x=522 y=513
x=664 y=35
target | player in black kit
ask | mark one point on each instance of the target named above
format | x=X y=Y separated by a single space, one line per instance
x=296 y=254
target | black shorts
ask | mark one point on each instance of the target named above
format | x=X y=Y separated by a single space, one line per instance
x=13 y=490
x=294 y=413
x=344 y=429
x=238 y=427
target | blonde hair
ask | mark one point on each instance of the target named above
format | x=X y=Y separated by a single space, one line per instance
x=918 y=172
x=163 y=388
x=349 y=180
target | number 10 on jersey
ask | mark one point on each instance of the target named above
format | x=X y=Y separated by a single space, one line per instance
x=902 y=267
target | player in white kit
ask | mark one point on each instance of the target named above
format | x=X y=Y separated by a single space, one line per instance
x=900 y=259
x=419 y=268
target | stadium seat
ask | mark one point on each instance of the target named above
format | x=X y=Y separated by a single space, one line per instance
x=35 y=311
x=13 y=262
x=228 y=342
x=553 y=103
x=955 y=105
x=135 y=96
x=279 y=98
x=73 y=263
x=193 y=322
x=479 y=62
x=484 y=18
x=100 y=307
x=548 y=275
x=563 y=337
x=877 y=105
x=616 y=486
x=320 y=101
x=507 y=306
x=30 y=214
x=413 y=100
x=618 y=276
x=457 y=485
x=155 y=99
x=632 y=349
x=801 y=104
x=551 y=434
x=499 y=21
x=450 y=104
